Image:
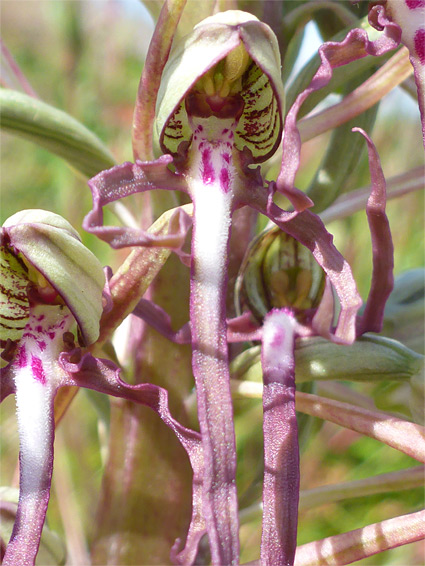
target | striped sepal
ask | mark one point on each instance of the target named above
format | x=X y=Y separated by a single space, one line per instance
x=259 y=127
x=177 y=130
x=14 y=304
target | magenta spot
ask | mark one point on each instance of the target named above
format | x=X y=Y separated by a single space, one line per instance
x=277 y=339
x=41 y=317
x=22 y=357
x=226 y=157
x=207 y=168
x=41 y=344
x=224 y=180
x=28 y=335
x=200 y=128
x=39 y=329
x=225 y=131
x=413 y=4
x=37 y=370
x=52 y=335
x=420 y=45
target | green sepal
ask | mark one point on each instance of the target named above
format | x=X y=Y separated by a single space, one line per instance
x=53 y=247
x=14 y=303
x=210 y=42
x=54 y=130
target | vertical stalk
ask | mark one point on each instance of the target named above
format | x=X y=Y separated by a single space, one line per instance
x=212 y=198
x=281 y=451
x=36 y=432
x=35 y=381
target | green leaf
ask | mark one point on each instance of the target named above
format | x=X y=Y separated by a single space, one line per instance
x=54 y=130
x=370 y=358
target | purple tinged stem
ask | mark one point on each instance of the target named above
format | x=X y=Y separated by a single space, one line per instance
x=36 y=381
x=211 y=233
x=35 y=471
x=281 y=449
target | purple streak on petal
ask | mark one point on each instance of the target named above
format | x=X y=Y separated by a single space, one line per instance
x=38 y=370
x=104 y=376
x=419 y=41
x=125 y=180
x=208 y=172
x=310 y=231
x=414 y=4
x=22 y=358
x=382 y=246
x=332 y=54
x=281 y=451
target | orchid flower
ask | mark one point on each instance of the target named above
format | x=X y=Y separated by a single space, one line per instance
x=51 y=292
x=42 y=257
x=219 y=112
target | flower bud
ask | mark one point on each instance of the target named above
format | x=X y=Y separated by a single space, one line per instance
x=229 y=66
x=44 y=250
x=279 y=272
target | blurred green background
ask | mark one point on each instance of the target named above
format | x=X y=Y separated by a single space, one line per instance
x=86 y=58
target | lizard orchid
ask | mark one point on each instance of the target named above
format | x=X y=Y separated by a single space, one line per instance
x=219 y=113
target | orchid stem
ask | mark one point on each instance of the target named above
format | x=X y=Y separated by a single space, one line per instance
x=281 y=451
x=36 y=431
x=212 y=220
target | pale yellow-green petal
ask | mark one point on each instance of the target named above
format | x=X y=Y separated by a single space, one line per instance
x=14 y=303
x=52 y=246
x=260 y=126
